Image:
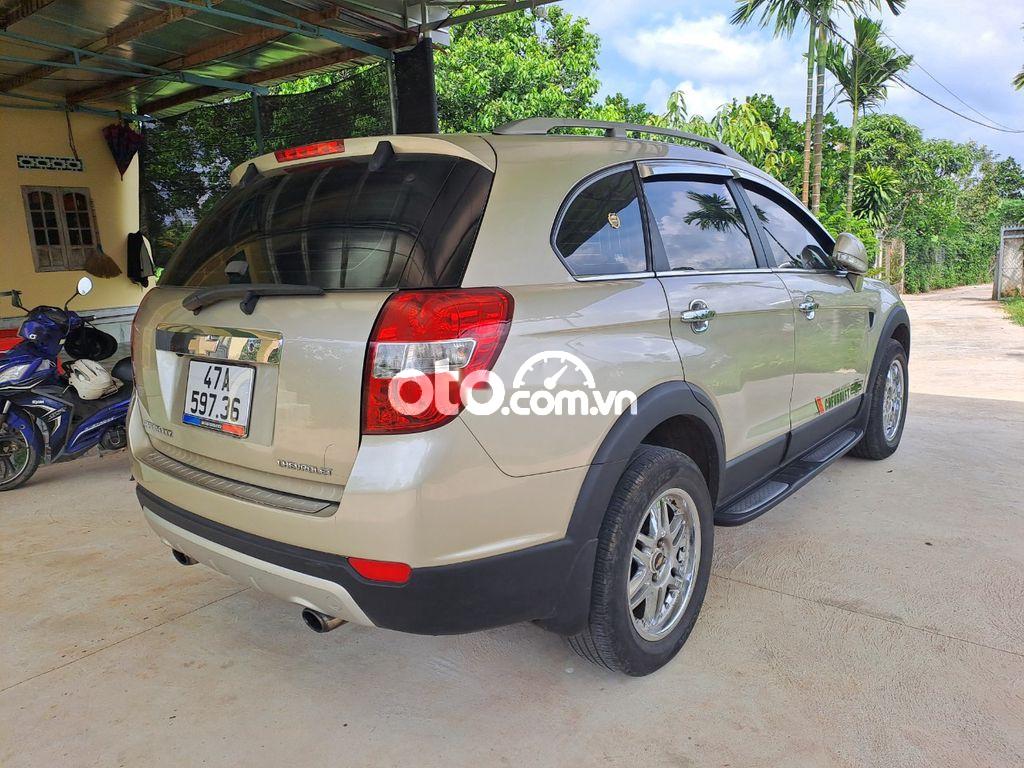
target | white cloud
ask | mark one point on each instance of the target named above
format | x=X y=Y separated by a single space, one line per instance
x=711 y=61
x=975 y=52
x=650 y=47
x=704 y=49
x=703 y=100
x=657 y=94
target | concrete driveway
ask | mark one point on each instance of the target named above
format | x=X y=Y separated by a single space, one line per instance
x=875 y=618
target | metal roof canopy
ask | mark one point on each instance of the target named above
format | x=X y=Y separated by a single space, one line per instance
x=142 y=58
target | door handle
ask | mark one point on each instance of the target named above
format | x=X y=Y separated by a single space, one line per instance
x=698 y=316
x=808 y=306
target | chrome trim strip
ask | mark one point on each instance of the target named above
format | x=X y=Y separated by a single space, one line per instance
x=671 y=167
x=221 y=343
x=697 y=273
x=621 y=276
x=242 y=491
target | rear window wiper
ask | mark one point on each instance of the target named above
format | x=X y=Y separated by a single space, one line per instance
x=249 y=294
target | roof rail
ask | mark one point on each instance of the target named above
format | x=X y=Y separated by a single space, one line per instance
x=539 y=126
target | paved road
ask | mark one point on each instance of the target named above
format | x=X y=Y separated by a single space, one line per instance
x=964 y=345
x=875 y=618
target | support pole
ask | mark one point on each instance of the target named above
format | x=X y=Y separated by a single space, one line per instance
x=416 y=102
x=389 y=65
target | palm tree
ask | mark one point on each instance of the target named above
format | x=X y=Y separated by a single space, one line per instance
x=876 y=189
x=863 y=73
x=825 y=13
x=783 y=16
x=713 y=212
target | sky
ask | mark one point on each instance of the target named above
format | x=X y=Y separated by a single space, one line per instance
x=974 y=48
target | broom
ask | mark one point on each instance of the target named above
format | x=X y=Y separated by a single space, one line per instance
x=100 y=265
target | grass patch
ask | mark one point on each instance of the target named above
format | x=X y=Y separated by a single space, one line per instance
x=1015 y=309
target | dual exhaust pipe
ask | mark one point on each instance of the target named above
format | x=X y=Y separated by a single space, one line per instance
x=316 y=621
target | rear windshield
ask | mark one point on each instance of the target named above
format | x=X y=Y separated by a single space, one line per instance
x=337 y=225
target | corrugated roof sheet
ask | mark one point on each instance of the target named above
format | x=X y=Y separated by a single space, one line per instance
x=155 y=33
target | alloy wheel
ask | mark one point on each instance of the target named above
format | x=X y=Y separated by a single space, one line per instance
x=664 y=563
x=892 y=402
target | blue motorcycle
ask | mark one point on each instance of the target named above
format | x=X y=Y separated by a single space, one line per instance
x=42 y=417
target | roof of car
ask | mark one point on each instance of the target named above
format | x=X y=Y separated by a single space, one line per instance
x=591 y=153
x=575 y=156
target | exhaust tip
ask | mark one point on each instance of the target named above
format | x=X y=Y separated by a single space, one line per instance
x=182 y=558
x=320 y=622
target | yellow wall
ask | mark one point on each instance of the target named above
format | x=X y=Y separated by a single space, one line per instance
x=116 y=205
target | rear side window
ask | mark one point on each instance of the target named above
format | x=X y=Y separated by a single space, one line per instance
x=339 y=225
x=699 y=224
x=795 y=243
x=602 y=232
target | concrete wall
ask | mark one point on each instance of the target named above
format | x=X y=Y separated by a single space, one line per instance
x=115 y=202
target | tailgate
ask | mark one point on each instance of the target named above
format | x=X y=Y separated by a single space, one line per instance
x=273 y=383
x=306 y=354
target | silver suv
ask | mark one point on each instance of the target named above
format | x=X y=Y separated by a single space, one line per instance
x=444 y=383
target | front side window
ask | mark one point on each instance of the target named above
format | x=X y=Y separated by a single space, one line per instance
x=794 y=244
x=61 y=225
x=602 y=231
x=700 y=226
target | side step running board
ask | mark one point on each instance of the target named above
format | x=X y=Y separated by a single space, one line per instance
x=787 y=480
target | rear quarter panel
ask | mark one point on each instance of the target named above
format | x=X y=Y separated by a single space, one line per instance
x=618 y=329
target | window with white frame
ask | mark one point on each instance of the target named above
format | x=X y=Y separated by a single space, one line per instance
x=61 y=226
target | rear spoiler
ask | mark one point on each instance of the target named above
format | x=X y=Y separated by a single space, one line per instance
x=466 y=146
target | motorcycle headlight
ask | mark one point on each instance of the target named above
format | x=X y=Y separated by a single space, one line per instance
x=13 y=373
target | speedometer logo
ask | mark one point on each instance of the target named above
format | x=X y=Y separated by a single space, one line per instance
x=554 y=366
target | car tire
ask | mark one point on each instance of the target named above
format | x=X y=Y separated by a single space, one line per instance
x=890 y=390
x=635 y=543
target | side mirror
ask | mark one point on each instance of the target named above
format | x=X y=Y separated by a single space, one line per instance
x=850 y=254
x=84 y=286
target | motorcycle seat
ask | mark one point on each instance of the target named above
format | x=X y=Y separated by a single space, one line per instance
x=123 y=370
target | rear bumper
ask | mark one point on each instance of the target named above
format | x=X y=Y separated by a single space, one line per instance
x=464 y=597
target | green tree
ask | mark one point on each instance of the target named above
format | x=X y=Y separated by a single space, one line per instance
x=945 y=205
x=1009 y=179
x=876 y=188
x=618 y=109
x=675 y=111
x=863 y=73
x=739 y=124
x=783 y=16
x=788 y=134
x=516 y=65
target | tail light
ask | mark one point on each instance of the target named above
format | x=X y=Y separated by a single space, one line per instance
x=320 y=148
x=381 y=570
x=444 y=335
x=136 y=343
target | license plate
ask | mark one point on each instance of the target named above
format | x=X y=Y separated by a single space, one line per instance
x=219 y=396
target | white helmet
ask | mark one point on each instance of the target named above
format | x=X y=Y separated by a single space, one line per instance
x=91 y=380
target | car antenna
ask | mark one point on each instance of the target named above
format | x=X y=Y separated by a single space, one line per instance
x=382 y=155
x=251 y=174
